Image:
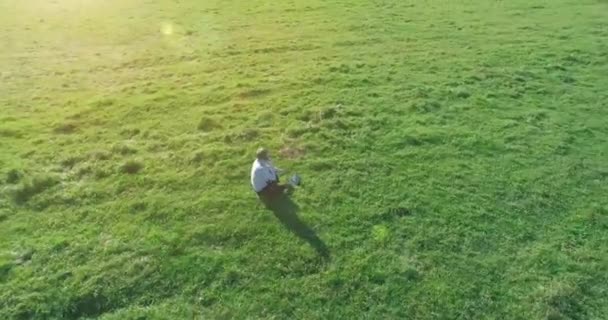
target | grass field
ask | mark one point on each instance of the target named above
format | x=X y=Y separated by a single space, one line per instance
x=453 y=154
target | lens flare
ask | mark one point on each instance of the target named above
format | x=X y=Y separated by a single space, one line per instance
x=166 y=28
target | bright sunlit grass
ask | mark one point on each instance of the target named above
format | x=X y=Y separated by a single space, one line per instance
x=452 y=153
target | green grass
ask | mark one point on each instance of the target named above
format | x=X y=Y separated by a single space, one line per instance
x=453 y=153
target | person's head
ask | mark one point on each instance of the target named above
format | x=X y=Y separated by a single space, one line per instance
x=262 y=154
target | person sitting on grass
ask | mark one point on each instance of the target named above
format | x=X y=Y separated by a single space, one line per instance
x=265 y=177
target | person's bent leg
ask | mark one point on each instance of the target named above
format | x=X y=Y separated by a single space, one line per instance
x=273 y=191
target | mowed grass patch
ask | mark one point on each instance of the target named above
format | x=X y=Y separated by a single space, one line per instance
x=453 y=157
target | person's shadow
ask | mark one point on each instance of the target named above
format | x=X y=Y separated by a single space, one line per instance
x=287 y=212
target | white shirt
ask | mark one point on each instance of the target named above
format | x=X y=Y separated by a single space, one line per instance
x=262 y=172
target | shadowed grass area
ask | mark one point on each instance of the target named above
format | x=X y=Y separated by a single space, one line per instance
x=287 y=212
x=453 y=153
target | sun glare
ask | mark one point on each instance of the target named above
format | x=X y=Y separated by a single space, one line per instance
x=166 y=28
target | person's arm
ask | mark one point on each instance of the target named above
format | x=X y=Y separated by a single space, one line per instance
x=276 y=169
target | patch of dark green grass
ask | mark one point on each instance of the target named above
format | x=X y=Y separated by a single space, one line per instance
x=207 y=124
x=101 y=174
x=4 y=214
x=101 y=155
x=566 y=303
x=30 y=187
x=84 y=170
x=198 y=157
x=71 y=161
x=10 y=133
x=131 y=167
x=131 y=132
x=88 y=305
x=254 y=93
x=5 y=269
x=104 y=103
x=23 y=256
x=66 y=128
x=121 y=149
x=13 y=176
